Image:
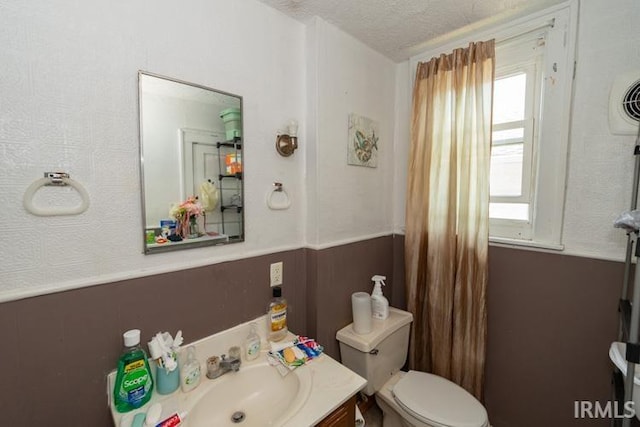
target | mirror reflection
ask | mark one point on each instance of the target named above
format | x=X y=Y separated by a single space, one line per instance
x=192 y=169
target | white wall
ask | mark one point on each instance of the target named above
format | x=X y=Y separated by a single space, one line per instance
x=347 y=202
x=401 y=144
x=600 y=164
x=69 y=102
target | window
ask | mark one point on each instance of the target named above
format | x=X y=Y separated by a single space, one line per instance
x=516 y=104
x=531 y=104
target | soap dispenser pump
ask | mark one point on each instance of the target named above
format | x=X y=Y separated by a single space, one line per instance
x=252 y=344
x=190 y=373
x=379 y=304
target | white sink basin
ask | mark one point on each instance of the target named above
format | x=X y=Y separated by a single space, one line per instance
x=257 y=392
x=302 y=398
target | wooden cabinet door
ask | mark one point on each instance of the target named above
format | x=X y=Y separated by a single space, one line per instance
x=344 y=416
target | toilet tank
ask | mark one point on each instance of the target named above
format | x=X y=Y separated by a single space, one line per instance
x=380 y=354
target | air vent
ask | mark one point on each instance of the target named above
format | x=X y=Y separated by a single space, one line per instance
x=631 y=102
x=624 y=104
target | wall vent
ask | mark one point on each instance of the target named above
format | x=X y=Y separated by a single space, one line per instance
x=624 y=104
x=631 y=101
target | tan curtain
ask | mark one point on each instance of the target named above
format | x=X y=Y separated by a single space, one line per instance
x=447 y=216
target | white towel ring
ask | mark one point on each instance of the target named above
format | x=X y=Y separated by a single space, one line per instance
x=282 y=205
x=60 y=179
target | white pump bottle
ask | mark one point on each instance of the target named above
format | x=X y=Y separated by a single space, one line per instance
x=379 y=304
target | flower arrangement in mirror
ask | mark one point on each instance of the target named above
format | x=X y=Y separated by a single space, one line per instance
x=186 y=215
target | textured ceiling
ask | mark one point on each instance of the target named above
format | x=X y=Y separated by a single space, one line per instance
x=394 y=27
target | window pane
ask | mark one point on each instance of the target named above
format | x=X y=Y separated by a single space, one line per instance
x=517 y=211
x=508 y=98
x=506 y=170
x=501 y=135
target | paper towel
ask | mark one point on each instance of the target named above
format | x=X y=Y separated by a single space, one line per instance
x=361 y=306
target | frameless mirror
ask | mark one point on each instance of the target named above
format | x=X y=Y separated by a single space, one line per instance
x=191 y=164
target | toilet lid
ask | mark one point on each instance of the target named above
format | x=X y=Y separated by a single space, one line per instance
x=433 y=399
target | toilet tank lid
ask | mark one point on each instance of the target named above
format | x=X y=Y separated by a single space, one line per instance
x=381 y=329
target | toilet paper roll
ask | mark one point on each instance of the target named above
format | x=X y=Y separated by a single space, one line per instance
x=361 y=306
x=359 y=418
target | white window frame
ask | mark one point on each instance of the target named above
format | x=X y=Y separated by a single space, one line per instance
x=512 y=59
x=550 y=158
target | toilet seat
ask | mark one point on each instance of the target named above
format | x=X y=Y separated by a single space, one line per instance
x=437 y=401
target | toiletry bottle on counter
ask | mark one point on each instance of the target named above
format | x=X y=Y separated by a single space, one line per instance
x=252 y=344
x=277 y=316
x=190 y=373
x=379 y=304
x=133 y=384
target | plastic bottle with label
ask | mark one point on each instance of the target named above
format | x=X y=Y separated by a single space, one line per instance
x=277 y=316
x=134 y=385
x=190 y=373
x=379 y=303
x=252 y=344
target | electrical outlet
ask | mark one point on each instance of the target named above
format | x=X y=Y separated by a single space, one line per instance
x=276 y=274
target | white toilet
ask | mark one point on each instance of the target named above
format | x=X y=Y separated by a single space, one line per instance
x=407 y=399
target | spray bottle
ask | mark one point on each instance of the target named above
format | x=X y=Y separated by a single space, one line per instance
x=379 y=304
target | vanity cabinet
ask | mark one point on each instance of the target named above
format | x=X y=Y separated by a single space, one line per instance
x=343 y=416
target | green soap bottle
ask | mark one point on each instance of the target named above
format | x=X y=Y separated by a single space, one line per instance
x=134 y=384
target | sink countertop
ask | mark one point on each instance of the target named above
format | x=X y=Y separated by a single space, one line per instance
x=332 y=383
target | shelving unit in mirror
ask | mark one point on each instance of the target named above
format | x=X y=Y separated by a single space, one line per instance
x=231 y=187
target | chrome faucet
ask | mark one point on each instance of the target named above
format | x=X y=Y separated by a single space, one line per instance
x=230 y=364
x=218 y=366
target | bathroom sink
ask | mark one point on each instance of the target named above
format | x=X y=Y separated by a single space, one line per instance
x=255 y=396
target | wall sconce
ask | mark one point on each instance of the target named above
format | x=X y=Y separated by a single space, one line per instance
x=287 y=143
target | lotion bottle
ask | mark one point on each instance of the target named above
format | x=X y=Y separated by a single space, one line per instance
x=252 y=344
x=191 y=371
x=379 y=304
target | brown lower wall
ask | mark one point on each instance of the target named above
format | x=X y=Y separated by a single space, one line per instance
x=551 y=320
x=58 y=348
x=340 y=271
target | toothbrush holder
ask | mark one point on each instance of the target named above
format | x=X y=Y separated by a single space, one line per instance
x=167 y=381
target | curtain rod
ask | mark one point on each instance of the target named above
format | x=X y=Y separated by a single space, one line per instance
x=550 y=24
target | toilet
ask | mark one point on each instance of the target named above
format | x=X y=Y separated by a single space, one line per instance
x=407 y=399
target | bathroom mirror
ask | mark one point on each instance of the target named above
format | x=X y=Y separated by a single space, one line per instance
x=191 y=165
